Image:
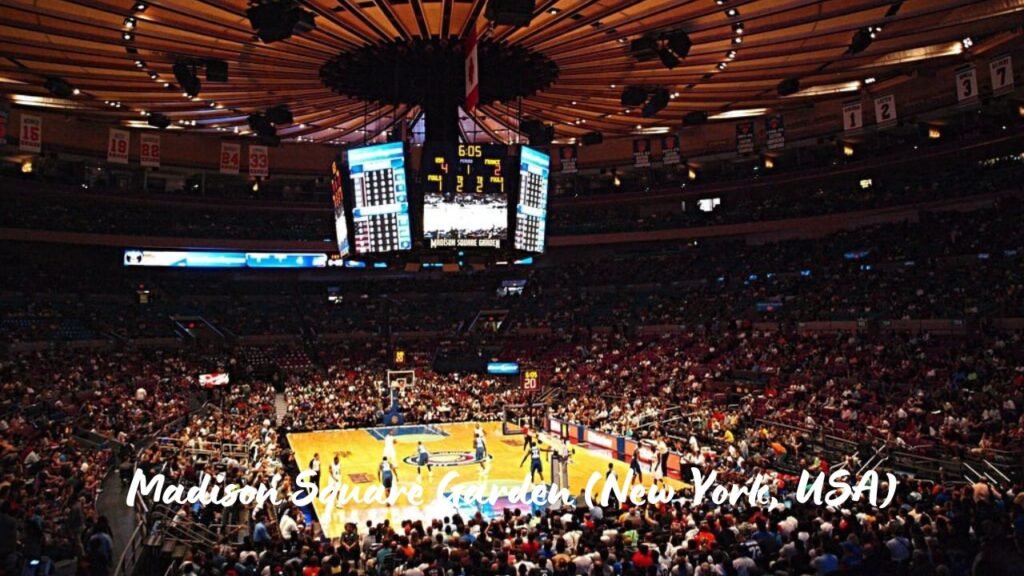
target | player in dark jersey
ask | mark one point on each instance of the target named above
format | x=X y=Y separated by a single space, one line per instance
x=536 y=462
x=387 y=474
x=423 y=459
x=634 y=467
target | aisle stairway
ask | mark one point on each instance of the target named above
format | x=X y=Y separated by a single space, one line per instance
x=280 y=406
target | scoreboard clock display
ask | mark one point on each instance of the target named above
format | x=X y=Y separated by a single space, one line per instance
x=465 y=195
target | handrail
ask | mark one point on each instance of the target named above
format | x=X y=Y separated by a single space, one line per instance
x=129 y=556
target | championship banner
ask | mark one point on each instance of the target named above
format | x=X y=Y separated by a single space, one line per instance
x=967 y=85
x=229 y=157
x=885 y=111
x=670 y=149
x=118 y=144
x=149 y=150
x=472 y=69
x=567 y=155
x=31 y=139
x=1001 y=70
x=853 y=117
x=258 y=163
x=3 y=127
x=642 y=152
x=744 y=137
x=775 y=132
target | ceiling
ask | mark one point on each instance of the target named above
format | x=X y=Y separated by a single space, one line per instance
x=122 y=78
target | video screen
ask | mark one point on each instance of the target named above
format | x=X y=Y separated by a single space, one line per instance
x=465 y=203
x=532 y=208
x=338 y=199
x=380 y=213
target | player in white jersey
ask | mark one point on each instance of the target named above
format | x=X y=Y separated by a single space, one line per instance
x=335 y=470
x=423 y=459
x=480 y=449
x=389 y=447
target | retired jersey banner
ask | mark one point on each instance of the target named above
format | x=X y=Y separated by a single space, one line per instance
x=567 y=156
x=775 y=132
x=472 y=69
x=149 y=150
x=885 y=111
x=670 y=149
x=31 y=138
x=853 y=117
x=967 y=85
x=3 y=127
x=642 y=152
x=258 y=162
x=118 y=144
x=229 y=157
x=1002 y=75
x=744 y=137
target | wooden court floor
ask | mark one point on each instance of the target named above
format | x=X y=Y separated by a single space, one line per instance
x=451 y=446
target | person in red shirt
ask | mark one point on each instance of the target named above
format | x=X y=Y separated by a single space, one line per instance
x=642 y=558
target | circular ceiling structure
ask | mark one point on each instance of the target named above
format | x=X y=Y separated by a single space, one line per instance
x=119 y=57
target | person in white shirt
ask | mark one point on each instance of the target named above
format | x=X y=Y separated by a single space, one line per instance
x=288 y=526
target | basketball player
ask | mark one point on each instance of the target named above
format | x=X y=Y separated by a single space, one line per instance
x=314 y=465
x=335 y=471
x=480 y=448
x=387 y=475
x=661 y=462
x=536 y=464
x=529 y=440
x=389 y=447
x=423 y=459
x=634 y=467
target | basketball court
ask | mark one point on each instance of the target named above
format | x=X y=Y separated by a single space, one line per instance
x=451 y=450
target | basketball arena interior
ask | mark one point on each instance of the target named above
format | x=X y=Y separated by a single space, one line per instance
x=513 y=287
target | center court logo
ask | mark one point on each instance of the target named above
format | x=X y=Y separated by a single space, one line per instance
x=448 y=458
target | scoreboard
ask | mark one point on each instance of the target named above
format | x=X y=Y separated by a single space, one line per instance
x=338 y=200
x=532 y=207
x=465 y=195
x=380 y=213
x=465 y=168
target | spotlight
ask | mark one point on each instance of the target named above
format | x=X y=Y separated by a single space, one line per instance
x=279 y=115
x=657 y=103
x=279 y=20
x=158 y=120
x=76 y=91
x=738 y=28
x=731 y=54
x=59 y=87
x=732 y=12
x=141 y=6
x=186 y=76
x=633 y=96
x=128 y=36
x=679 y=43
x=668 y=58
x=861 y=40
x=737 y=40
x=722 y=65
x=130 y=22
x=967 y=43
x=140 y=64
x=644 y=49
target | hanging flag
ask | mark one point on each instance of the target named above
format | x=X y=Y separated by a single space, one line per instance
x=258 y=164
x=775 y=132
x=472 y=70
x=118 y=144
x=3 y=127
x=853 y=117
x=31 y=139
x=670 y=149
x=567 y=157
x=642 y=152
x=149 y=150
x=229 y=161
x=745 y=137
